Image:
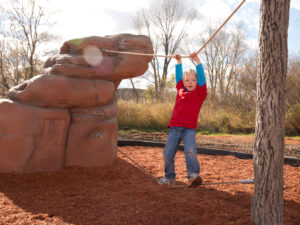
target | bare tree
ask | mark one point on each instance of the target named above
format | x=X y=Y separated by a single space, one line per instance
x=244 y=88
x=166 y=24
x=268 y=158
x=222 y=57
x=27 y=19
x=3 y=84
x=21 y=40
x=135 y=91
x=293 y=82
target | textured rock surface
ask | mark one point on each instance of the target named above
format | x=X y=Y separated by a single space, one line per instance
x=63 y=92
x=85 y=58
x=92 y=133
x=68 y=114
x=32 y=138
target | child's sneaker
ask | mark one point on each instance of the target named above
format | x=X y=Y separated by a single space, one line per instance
x=165 y=181
x=194 y=181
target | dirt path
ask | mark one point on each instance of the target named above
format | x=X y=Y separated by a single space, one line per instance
x=123 y=194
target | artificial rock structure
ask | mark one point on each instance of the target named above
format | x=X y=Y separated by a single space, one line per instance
x=68 y=115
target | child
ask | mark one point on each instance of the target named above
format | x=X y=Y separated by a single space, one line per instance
x=191 y=92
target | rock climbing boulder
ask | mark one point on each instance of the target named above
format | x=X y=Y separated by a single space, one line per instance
x=67 y=115
x=87 y=58
x=63 y=92
x=32 y=139
x=92 y=136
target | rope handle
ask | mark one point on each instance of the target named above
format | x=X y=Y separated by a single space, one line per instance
x=185 y=56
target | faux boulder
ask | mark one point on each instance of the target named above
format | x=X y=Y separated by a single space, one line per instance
x=32 y=138
x=85 y=58
x=91 y=133
x=68 y=114
x=63 y=92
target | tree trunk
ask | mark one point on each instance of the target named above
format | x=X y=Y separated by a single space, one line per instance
x=135 y=91
x=268 y=159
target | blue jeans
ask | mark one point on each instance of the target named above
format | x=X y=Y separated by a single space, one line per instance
x=176 y=134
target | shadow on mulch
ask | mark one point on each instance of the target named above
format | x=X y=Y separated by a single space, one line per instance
x=118 y=194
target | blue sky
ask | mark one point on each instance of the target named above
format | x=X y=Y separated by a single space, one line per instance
x=294 y=30
x=80 y=18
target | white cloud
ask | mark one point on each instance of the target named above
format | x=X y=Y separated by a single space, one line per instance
x=252 y=43
x=295 y=4
x=94 y=5
x=82 y=18
x=211 y=13
x=214 y=10
x=128 y=6
x=79 y=18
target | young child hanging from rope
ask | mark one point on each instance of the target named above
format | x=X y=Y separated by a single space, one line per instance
x=191 y=92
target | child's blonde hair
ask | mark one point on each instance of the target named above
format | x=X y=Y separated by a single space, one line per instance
x=190 y=71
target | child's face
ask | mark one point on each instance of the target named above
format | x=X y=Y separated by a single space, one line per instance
x=190 y=81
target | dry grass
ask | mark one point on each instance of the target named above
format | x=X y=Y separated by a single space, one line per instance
x=156 y=115
x=149 y=115
x=212 y=118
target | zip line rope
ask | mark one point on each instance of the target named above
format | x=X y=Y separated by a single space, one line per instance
x=245 y=181
x=170 y=56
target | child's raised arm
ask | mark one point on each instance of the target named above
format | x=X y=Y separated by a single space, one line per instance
x=195 y=57
x=178 y=68
x=199 y=68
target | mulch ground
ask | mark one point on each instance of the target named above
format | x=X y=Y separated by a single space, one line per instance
x=124 y=194
x=237 y=143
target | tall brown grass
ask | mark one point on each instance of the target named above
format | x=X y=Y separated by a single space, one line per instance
x=293 y=120
x=144 y=115
x=213 y=119
x=156 y=115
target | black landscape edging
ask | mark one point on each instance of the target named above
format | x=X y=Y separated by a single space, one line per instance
x=206 y=151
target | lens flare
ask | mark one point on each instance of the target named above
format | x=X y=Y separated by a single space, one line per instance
x=105 y=68
x=92 y=55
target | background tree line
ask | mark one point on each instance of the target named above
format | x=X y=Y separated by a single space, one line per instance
x=23 y=32
x=230 y=65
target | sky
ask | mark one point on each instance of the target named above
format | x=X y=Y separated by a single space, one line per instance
x=82 y=18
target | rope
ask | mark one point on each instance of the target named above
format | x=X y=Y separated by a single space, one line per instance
x=221 y=26
x=128 y=157
x=170 y=56
x=140 y=54
x=247 y=181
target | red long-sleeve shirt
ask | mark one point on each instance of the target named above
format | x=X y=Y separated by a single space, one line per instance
x=187 y=106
